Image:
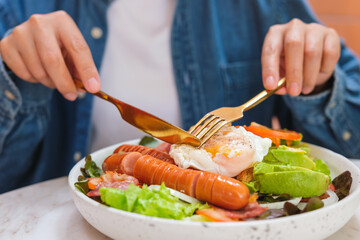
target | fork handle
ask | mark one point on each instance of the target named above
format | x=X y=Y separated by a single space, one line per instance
x=262 y=96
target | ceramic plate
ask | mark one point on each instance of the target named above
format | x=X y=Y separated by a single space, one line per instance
x=318 y=224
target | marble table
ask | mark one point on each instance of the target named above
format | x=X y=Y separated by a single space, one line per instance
x=46 y=211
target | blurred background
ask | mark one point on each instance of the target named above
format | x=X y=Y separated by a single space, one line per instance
x=342 y=15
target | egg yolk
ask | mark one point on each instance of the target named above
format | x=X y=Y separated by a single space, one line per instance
x=214 y=149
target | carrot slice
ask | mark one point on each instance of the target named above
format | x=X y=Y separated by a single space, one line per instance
x=214 y=215
x=282 y=134
x=93 y=182
x=274 y=135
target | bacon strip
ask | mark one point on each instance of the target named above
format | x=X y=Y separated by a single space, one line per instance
x=113 y=180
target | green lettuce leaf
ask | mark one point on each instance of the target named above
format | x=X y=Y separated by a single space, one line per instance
x=156 y=203
x=251 y=186
x=82 y=184
x=148 y=141
x=91 y=169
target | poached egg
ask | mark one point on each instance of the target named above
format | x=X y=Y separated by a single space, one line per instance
x=230 y=151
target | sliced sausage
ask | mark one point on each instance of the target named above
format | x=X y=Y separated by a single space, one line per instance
x=128 y=162
x=145 y=151
x=159 y=155
x=170 y=177
x=129 y=148
x=204 y=186
x=147 y=171
x=169 y=170
x=229 y=193
x=186 y=182
x=113 y=162
x=159 y=173
x=216 y=189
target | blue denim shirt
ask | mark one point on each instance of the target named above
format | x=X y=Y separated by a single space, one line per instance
x=216 y=49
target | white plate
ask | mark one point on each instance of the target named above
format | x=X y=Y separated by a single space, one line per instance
x=318 y=224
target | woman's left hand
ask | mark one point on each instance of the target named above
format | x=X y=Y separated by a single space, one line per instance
x=306 y=54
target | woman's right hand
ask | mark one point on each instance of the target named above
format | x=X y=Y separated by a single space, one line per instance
x=50 y=49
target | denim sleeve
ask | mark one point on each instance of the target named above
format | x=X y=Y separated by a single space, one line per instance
x=10 y=101
x=331 y=118
x=24 y=110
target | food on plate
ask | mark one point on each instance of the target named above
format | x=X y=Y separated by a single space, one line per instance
x=342 y=184
x=145 y=151
x=291 y=170
x=270 y=178
x=295 y=181
x=180 y=195
x=150 y=202
x=290 y=156
x=115 y=161
x=279 y=136
x=228 y=152
x=206 y=186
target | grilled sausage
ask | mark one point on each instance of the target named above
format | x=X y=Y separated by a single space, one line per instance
x=145 y=151
x=113 y=162
x=205 y=186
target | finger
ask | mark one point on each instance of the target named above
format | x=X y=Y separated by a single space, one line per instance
x=70 y=64
x=26 y=47
x=270 y=56
x=331 y=52
x=13 y=60
x=312 y=59
x=294 y=50
x=54 y=64
x=48 y=83
x=282 y=91
x=80 y=53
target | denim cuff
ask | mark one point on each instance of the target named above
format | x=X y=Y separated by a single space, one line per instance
x=310 y=109
x=324 y=106
x=331 y=108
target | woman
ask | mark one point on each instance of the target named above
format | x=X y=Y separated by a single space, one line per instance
x=222 y=54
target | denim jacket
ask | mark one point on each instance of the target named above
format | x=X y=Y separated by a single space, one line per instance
x=216 y=49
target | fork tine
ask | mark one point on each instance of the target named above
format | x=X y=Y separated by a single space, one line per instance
x=212 y=132
x=201 y=121
x=213 y=124
x=201 y=128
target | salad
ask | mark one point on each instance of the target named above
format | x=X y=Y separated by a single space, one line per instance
x=241 y=174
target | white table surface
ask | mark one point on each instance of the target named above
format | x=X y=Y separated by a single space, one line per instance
x=46 y=211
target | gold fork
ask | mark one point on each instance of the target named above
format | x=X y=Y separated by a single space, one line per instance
x=147 y=122
x=214 y=120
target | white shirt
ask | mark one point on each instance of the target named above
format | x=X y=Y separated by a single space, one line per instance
x=136 y=68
